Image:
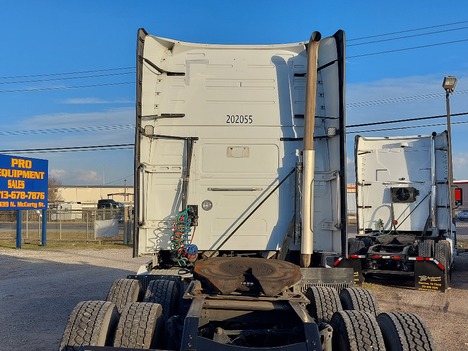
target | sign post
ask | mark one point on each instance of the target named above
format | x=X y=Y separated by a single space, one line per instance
x=23 y=186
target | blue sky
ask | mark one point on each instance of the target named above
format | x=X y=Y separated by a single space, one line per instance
x=67 y=68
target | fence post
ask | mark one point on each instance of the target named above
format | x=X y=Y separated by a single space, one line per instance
x=18 y=229
x=44 y=227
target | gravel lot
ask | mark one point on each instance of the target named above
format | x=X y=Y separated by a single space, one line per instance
x=39 y=288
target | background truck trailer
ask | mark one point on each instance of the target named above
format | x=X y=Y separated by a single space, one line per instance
x=230 y=140
x=405 y=208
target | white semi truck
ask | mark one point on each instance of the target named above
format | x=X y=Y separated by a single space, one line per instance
x=240 y=205
x=405 y=202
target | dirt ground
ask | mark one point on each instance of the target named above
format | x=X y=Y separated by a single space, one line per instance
x=39 y=288
x=445 y=314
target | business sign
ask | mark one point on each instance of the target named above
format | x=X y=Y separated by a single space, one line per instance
x=23 y=183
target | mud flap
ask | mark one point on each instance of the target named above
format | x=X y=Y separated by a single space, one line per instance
x=428 y=276
x=355 y=264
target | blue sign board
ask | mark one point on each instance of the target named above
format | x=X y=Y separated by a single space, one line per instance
x=23 y=183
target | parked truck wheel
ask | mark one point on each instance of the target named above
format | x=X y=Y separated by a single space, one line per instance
x=426 y=248
x=358 y=299
x=122 y=292
x=139 y=325
x=356 y=330
x=404 y=331
x=91 y=323
x=324 y=301
x=164 y=292
x=443 y=255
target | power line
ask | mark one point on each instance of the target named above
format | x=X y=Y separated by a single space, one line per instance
x=65 y=87
x=68 y=73
x=68 y=78
x=399 y=128
x=409 y=48
x=399 y=99
x=407 y=31
x=404 y=120
x=406 y=37
x=69 y=130
x=72 y=148
x=123 y=178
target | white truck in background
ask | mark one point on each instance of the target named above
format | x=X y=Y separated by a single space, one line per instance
x=405 y=203
x=240 y=202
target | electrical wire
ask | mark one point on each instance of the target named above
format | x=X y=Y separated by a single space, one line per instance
x=68 y=73
x=65 y=87
x=68 y=130
x=407 y=31
x=405 y=37
x=405 y=120
x=351 y=105
x=67 y=78
x=407 y=49
x=71 y=148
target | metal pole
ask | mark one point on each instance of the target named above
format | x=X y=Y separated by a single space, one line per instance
x=27 y=225
x=450 y=168
x=18 y=229
x=44 y=227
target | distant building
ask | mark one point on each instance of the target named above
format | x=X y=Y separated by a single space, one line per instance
x=89 y=195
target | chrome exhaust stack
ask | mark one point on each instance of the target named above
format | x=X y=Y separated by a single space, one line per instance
x=308 y=153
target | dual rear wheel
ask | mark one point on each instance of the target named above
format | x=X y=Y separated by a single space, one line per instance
x=123 y=320
x=357 y=325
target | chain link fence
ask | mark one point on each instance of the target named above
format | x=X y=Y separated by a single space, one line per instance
x=70 y=225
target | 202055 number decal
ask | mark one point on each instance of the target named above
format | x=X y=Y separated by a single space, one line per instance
x=239 y=119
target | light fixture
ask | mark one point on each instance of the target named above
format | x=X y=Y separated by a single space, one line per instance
x=331 y=131
x=148 y=130
x=207 y=205
x=449 y=83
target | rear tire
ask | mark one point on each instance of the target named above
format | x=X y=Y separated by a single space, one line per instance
x=139 y=325
x=443 y=255
x=359 y=299
x=404 y=332
x=356 y=331
x=355 y=246
x=324 y=301
x=166 y=293
x=122 y=292
x=91 y=323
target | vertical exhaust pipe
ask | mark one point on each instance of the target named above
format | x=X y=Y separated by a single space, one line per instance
x=308 y=154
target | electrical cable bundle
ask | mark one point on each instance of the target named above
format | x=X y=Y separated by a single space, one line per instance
x=183 y=251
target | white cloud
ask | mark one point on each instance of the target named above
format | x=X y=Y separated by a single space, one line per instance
x=86 y=176
x=61 y=120
x=59 y=174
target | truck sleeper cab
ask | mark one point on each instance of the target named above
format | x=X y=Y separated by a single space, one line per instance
x=405 y=208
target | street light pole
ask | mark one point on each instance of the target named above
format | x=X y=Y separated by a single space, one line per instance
x=449 y=84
